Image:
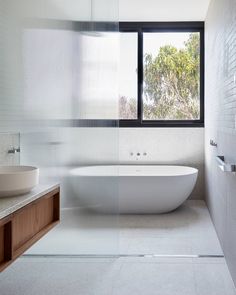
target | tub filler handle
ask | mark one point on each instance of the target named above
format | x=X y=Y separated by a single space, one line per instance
x=224 y=166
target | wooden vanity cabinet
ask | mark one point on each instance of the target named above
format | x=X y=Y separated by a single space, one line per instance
x=24 y=227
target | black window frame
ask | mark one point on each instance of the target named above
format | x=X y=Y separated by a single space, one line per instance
x=143 y=27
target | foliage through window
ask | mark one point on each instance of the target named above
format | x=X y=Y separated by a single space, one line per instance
x=165 y=63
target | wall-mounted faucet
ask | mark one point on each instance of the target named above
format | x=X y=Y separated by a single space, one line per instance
x=138 y=155
x=212 y=143
x=13 y=151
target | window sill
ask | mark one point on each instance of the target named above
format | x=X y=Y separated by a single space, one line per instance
x=160 y=124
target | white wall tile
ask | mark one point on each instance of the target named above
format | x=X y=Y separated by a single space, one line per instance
x=173 y=146
x=220 y=105
x=7 y=142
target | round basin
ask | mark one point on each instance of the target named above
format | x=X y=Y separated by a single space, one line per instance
x=17 y=180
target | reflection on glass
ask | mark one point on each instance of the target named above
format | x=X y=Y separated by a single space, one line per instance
x=76 y=69
x=54 y=72
x=68 y=75
x=97 y=85
x=171 y=86
x=128 y=76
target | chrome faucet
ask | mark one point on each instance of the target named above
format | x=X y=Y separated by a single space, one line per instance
x=14 y=150
x=212 y=143
x=138 y=154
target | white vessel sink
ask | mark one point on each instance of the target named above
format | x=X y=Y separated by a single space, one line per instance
x=17 y=180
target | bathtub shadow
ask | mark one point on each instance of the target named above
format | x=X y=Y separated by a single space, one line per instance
x=84 y=218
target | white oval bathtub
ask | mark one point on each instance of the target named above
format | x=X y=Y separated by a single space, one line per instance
x=133 y=189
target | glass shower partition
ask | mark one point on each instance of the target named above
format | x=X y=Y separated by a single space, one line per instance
x=66 y=69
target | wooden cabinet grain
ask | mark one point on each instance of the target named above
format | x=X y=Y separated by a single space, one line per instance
x=24 y=227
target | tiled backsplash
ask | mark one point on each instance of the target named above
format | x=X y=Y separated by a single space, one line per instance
x=7 y=142
x=220 y=114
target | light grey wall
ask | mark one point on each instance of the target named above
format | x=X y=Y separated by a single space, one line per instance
x=97 y=146
x=9 y=141
x=173 y=146
x=220 y=121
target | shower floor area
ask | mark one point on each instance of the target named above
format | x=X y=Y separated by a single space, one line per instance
x=188 y=231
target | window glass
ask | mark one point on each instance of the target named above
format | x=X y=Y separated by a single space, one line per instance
x=171 y=76
x=128 y=76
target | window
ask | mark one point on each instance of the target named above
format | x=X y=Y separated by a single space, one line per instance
x=161 y=74
x=128 y=91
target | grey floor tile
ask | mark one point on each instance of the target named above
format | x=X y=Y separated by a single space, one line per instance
x=56 y=277
x=130 y=275
x=186 y=231
x=213 y=278
x=183 y=231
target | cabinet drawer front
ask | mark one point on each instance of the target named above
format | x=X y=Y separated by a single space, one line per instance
x=21 y=229
x=24 y=226
x=31 y=220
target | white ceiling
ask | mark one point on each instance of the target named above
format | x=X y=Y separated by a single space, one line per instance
x=163 y=10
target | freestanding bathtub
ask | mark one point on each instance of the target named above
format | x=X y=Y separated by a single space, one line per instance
x=133 y=189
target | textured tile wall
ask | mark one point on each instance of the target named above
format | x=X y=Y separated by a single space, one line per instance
x=75 y=146
x=220 y=122
x=9 y=141
x=167 y=146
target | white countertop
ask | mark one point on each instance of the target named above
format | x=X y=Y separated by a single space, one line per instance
x=12 y=204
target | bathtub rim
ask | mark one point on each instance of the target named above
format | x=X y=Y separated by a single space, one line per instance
x=191 y=171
